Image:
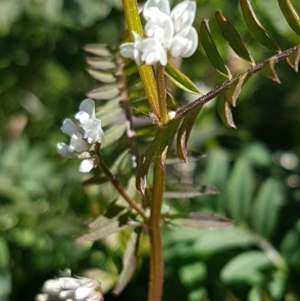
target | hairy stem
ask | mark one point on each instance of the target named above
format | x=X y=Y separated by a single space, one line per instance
x=156 y=280
x=119 y=186
x=161 y=86
x=133 y=22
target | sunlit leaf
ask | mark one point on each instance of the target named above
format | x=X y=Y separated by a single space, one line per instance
x=277 y=286
x=162 y=140
x=97 y=49
x=232 y=37
x=256 y=28
x=102 y=76
x=232 y=91
x=257 y=154
x=104 y=92
x=171 y=102
x=217 y=164
x=224 y=111
x=266 y=207
x=113 y=134
x=100 y=63
x=201 y=220
x=207 y=242
x=185 y=131
x=291 y=245
x=180 y=79
x=239 y=190
x=211 y=50
x=294 y=58
x=130 y=260
x=290 y=15
x=114 y=220
x=268 y=70
x=191 y=274
x=106 y=227
x=186 y=191
x=245 y=267
x=111 y=112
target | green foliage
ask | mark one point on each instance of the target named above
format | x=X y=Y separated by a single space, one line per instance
x=43 y=207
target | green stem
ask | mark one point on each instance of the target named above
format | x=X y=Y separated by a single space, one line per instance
x=133 y=21
x=118 y=185
x=273 y=255
x=156 y=249
x=161 y=86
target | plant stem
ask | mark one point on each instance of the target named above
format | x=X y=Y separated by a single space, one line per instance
x=161 y=87
x=119 y=186
x=156 y=280
x=133 y=21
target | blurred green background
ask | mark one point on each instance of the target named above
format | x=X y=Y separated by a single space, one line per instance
x=43 y=206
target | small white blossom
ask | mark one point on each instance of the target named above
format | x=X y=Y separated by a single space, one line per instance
x=82 y=136
x=89 y=123
x=71 y=289
x=184 y=45
x=166 y=32
x=130 y=50
x=152 y=51
x=161 y=27
x=153 y=6
x=87 y=165
x=183 y=15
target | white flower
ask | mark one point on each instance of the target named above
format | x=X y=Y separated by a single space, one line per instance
x=71 y=289
x=89 y=123
x=151 y=7
x=130 y=50
x=149 y=51
x=83 y=136
x=87 y=165
x=152 y=51
x=184 y=45
x=161 y=27
x=183 y=15
x=63 y=150
x=165 y=32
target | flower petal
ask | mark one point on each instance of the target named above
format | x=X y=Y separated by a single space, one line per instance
x=70 y=128
x=88 y=106
x=160 y=27
x=183 y=15
x=96 y=296
x=192 y=44
x=77 y=144
x=130 y=50
x=82 y=116
x=86 y=165
x=184 y=45
x=93 y=131
x=152 y=6
x=83 y=292
x=152 y=52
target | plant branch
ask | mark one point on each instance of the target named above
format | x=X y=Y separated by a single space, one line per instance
x=133 y=21
x=156 y=280
x=118 y=185
x=212 y=94
x=161 y=87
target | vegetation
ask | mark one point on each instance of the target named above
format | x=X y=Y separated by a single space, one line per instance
x=241 y=142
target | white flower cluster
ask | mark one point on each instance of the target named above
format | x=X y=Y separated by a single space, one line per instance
x=83 y=135
x=71 y=289
x=165 y=33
